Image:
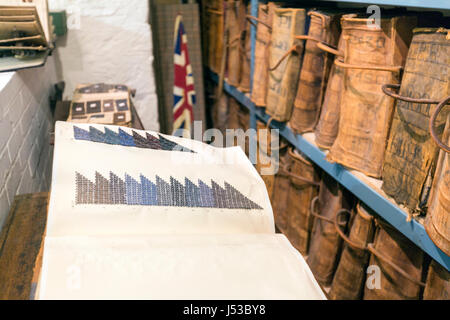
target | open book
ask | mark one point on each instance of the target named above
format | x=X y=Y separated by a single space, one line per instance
x=140 y=215
x=25 y=34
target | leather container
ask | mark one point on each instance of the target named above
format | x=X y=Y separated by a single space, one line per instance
x=234 y=16
x=325 y=245
x=437 y=221
x=349 y=279
x=324 y=27
x=262 y=46
x=399 y=264
x=411 y=154
x=285 y=62
x=304 y=184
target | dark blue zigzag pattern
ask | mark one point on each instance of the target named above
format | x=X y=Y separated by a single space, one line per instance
x=129 y=191
x=122 y=138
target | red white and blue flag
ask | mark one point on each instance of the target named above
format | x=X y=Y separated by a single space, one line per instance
x=183 y=89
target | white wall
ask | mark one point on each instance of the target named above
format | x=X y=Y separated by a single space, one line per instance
x=25 y=126
x=109 y=41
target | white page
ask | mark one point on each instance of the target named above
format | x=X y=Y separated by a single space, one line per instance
x=254 y=266
x=67 y=217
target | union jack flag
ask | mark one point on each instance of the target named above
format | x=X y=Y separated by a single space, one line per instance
x=183 y=89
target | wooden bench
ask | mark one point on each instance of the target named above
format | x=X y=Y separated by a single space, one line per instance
x=21 y=248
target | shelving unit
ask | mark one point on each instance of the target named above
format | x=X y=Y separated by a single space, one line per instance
x=367 y=189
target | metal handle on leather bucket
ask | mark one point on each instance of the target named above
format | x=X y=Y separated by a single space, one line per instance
x=312 y=211
x=214 y=11
x=436 y=139
x=321 y=17
x=327 y=48
x=381 y=256
x=284 y=171
x=351 y=243
x=295 y=48
x=441 y=105
x=389 y=93
x=320 y=44
x=367 y=66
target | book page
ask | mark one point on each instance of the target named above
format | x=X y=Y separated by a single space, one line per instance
x=250 y=267
x=110 y=180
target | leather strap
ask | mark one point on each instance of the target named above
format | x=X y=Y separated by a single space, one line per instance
x=312 y=211
x=324 y=22
x=307 y=37
x=351 y=243
x=293 y=175
x=252 y=19
x=269 y=122
x=382 y=257
x=234 y=39
x=214 y=11
x=387 y=91
x=284 y=171
x=295 y=48
x=434 y=135
x=330 y=49
x=367 y=67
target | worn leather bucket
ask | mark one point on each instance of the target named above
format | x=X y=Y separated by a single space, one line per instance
x=328 y=125
x=325 y=245
x=324 y=27
x=348 y=281
x=304 y=180
x=262 y=46
x=233 y=19
x=285 y=61
x=438 y=283
x=411 y=154
x=400 y=266
x=266 y=166
x=246 y=50
x=373 y=55
x=437 y=222
x=215 y=13
x=281 y=189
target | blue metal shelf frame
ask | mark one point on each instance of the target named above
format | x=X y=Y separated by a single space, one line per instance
x=413 y=230
x=431 y=4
